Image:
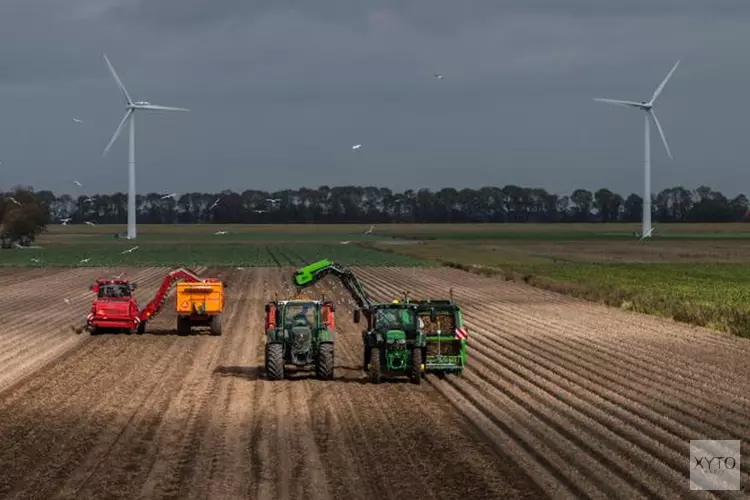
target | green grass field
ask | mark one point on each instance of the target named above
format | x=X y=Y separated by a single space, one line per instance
x=696 y=273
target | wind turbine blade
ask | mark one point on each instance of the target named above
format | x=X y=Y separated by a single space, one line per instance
x=117 y=132
x=661 y=132
x=663 y=83
x=161 y=108
x=631 y=104
x=117 y=79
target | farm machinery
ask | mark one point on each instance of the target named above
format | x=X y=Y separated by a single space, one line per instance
x=402 y=337
x=300 y=332
x=199 y=301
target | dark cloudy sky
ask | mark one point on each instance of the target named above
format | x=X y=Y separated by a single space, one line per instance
x=280 y=90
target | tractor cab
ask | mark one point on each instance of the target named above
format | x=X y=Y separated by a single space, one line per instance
x=300 y=325
x=445 y=336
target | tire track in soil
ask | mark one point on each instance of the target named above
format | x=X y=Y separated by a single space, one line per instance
x=28 y=342
x=485 y=370
x=186 y=417
x=439 y=454
x=617 y=374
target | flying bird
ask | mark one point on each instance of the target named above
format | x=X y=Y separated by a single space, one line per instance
x=438 y=76
x=170 y=195
x=35 y=260
x=273 y=200
x=258 y=211
x=215 y=203
x=221 y=232
x=14 y=200
x=89 y=223
x=345 y=242
x=129 y=250
x=64 y=222
x=88 y=200
x=77 y=120
x=119 y=276
x=369 y=231
x=84 y=261
x=356 y=146
x=78 y=183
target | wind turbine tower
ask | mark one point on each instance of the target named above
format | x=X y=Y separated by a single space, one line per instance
x=648 y=107
x=131 y=107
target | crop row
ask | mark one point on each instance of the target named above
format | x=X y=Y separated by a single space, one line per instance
x=196 y=254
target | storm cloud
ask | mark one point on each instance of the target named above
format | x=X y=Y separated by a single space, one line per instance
x=280 y=91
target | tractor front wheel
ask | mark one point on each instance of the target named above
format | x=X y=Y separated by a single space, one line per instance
x=415 y=370
x=216 y=324
x=141 y=328
x=324 y=363
x=366 y=358
x=374 y=365
x=275 y=361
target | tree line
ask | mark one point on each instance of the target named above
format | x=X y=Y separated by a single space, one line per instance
x=356 y=204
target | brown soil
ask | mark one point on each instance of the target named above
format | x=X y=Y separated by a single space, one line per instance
x=562 y=398
x=163 y=416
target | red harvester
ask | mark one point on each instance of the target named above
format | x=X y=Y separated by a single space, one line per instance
x=115 y=308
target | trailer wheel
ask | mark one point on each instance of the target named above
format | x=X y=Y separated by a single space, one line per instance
x=216 y=324
x=415 y=370
x=374 y=365
x=324 y=363
x=183 y=325
x=275 y=361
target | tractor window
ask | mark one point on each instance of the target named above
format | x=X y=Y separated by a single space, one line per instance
x=300 y=315
x=394 y=319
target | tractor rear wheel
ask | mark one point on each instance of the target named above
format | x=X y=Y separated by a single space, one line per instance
x=275 y=361
x=141 y=328
x=183 y=325
x=374 y=365
x=216 y=324
x=324 y=363
x=415 y=369
x=366 y=358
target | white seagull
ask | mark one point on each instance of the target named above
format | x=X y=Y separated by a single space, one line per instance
x=356 y=146
x=170 y=195
x=84 y=261
x=77 y=120
x=369 y=231
x=130 y=249
x=89 y=223
x=64 y=222
x=221 y=232
x=78 y=183
x=215 y=203
x=438 y=76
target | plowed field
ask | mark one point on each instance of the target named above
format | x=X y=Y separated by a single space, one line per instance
x=562 y=399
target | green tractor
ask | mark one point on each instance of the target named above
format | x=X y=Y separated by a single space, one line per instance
x=300 y=332
x=424 y=336
x=445 y=336
x=393 y=342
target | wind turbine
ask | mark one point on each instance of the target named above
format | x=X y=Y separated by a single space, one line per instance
x=131 y=108
x=647 y=106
